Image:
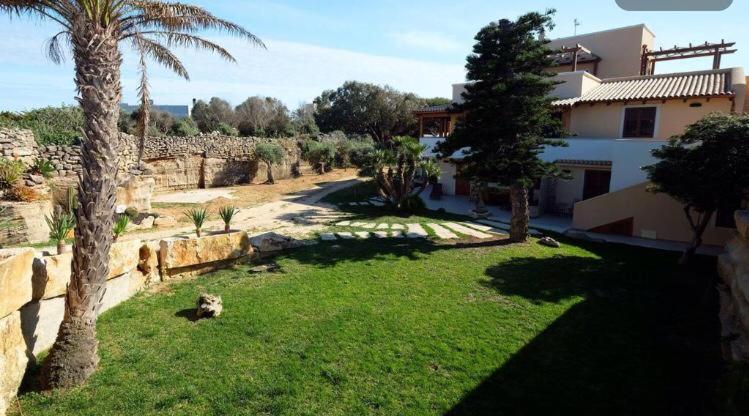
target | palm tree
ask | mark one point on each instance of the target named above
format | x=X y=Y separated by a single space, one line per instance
x=94 y=30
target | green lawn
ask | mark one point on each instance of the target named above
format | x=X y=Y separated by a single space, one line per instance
x=400 y=327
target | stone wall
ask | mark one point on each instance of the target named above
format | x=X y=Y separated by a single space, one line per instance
x=175 y=163
x=33 y=286
x=733 y=267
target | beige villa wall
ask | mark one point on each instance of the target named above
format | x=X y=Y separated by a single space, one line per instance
x=655 y=216
x=619 y=49
x=605 y=120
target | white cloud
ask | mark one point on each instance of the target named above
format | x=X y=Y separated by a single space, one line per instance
x=425 y=40
x=292 y=72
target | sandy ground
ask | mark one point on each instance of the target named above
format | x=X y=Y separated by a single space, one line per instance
x=291 y=207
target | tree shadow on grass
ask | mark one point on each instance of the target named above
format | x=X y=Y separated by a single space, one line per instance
x=636 y=340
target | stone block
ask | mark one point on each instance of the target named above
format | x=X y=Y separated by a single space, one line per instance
x=165 y=222
x=40 y=321
x=13 y=359
x=27 y=224
x=52 y=276
x=16 y=271
x=137 y=192
x=273 y=242
x=182 y=253
x=742 y=224
x=118 y=290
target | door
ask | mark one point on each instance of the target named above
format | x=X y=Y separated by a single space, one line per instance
x=462 y=187
x=597 y=183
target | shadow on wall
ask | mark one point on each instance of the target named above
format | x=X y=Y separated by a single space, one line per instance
x=630 y=345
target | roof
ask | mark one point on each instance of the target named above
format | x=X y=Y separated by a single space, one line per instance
x=583 y=162
x=713 y=83
x=435 y=109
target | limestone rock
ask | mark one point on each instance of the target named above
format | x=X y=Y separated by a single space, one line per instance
x=272 y=242
x=165 y=222
x=16 y=271
x=209 y=306
x=148 y=265
x=136 y=192
x=742 y=224
x=180 y=253
x=13 y=359
x=52 y=273
x=26 y=219
x=40 y=321
x=549 y=242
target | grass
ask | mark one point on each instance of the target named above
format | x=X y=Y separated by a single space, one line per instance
x=403 y=327
x=411 y=328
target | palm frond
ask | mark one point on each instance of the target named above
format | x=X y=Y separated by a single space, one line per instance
x=54 y=51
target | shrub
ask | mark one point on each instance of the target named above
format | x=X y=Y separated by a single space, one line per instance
x=10 y=172
x=198 y=216
x=120 y=226
x=321 y=155
x=185 y=127
x=271 y=154
x=42 y=167
x=227 y=214
x=227 y=129
x=132 y=213
x=360 y=151
x=51 y=125
x=21 y=193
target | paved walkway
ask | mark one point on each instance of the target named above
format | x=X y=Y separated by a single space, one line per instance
x=443 y=231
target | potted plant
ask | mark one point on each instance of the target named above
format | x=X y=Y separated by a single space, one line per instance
x=227 y=213
x=198 y=218
x=60 y=224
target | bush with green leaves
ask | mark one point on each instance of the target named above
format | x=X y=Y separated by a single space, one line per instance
x=227 y=213
x=185 y=127
x=11 y=171
x=198 y=216
x=272 y=154
x=227 y=129
x=120 y=226
x=400 y=173
x=60 y=224
x=320 y=155
x=51 y=125
x=360 y=150
x=42 y=167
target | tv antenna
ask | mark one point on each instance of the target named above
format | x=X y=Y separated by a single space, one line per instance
x=577 y=23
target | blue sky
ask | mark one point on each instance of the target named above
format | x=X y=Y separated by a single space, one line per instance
x=416 y=45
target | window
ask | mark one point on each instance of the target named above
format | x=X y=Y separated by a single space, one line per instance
x=639 y=122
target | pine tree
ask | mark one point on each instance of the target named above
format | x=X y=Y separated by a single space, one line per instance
x=507 y=111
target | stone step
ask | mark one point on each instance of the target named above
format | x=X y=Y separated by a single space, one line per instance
x=416 y=231
x=328 y=237
x=363 y=234
x=381 y=234
x=442 y=232
x=346 y=235
x=383 y=226
x=467 y=230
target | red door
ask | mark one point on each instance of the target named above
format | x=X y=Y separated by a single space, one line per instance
x=462 y=187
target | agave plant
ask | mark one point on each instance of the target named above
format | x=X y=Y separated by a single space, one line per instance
x=227 y=214
x=42 y=167
x=120 y=226
x=198 y=216
x=60 y=224
x=94 y=31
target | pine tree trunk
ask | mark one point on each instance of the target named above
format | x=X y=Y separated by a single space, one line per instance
x=74 y=356
x=520 y=214
x=271 y=180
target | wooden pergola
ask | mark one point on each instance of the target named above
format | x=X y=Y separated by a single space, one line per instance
x=716 y=50
x=575 y=55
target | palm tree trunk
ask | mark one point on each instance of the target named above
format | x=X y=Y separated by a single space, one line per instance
x=520 y=214
x=74 y=356
x=271 y=180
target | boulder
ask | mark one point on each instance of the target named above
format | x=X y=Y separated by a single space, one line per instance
x=136 y=192
x=16 y=287
x=181 y=253
x=165 y=222
x=273 y=242
x=549 y=242
x=742 y=224
x=26 y=220
x=13 y=359
x=209 y=306
x=52 y=273
x=145 y=224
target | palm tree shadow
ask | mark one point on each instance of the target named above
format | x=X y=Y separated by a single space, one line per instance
x=634 y=341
